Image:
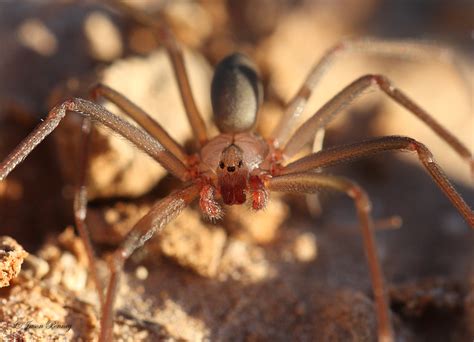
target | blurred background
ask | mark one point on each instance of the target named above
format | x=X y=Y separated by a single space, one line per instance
x=50 y=50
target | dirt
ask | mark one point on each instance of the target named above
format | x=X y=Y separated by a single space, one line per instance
x=280 y=274
x=11 y=258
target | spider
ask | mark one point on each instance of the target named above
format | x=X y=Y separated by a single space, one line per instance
x=238 y=166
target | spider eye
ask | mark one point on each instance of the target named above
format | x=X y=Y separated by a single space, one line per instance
x=221 y=165
x=240 y=163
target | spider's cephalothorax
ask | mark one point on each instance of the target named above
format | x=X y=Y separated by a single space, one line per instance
x=234 y=160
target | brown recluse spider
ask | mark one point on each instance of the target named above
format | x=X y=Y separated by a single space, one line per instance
x=239 y=166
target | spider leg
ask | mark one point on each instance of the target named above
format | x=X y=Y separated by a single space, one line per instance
x=334 y=106
x=166 y=37
x=404 y=49
x=80 y=196
x=142 y=118
x=153 y=222
x=90 y=111
x=310 y=183
x=312 y=200
x=345 y=153
x=80 y=206
x=97 y=113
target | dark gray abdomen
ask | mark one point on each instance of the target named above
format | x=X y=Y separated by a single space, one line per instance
x=236 y=94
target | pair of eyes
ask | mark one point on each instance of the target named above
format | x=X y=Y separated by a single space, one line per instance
x=230 y=168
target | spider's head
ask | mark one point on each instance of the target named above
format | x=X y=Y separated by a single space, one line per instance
x=232 y=175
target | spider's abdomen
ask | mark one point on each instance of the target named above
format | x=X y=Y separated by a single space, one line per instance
x=236 y=94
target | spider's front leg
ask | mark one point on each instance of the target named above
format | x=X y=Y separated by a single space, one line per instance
x=165 y=36
x=370 y=147
x=153 y=222
x=94 y=112
x=98 y=113
x=311 y=183
x=80 y=198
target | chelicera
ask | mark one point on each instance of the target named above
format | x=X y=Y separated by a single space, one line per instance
x=238 y=166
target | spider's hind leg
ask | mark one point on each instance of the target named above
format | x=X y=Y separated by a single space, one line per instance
x=351 y=152
x=403 y=49
x=153 y=222
x=80 y=206
x=310 y=183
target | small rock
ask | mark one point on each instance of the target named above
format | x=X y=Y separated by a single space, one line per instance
x=104 y=37
x=244 y=262
x=11 y=258
x=257 y=226
x=193 y=244
x=67 y=260
x=141 y=272
x=305 y=247
x=35 y=267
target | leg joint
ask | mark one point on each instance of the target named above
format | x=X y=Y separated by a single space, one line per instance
x=423 y=152
x=360 y=197
x=381 y=81
x=340 y=47
x=59 y=111
x=96 y=91
x=117 y=259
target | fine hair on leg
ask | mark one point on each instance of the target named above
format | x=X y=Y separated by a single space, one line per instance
x=323 y=116
x=346 y=153
x=95 y=112
x=152 y=223
x=148 y=123
x=413 y=50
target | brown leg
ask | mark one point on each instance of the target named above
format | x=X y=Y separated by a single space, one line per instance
x=165 y=36
x=97 y=113
x=411 y=50
x=153 y=222
x=310 y=183
x=142 y=118
x=367 y=148
x=334 y=106
x=312 y=200
x=80 y=207
x=80 y=198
